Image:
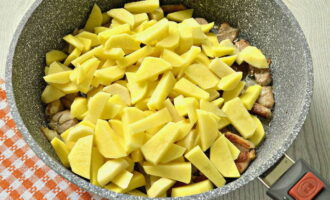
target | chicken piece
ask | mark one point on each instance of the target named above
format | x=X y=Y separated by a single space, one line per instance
x=173 y=8
x=68 y=99
x=227 y=32
x=266 y=97
x=244 y=68
x=262 y=111
x=241 y=44
x=244 y=160
x=50 y=134
x=53 y=108
x=201 y=20
x=263 y=76
x=239 y=141
x=62 y=121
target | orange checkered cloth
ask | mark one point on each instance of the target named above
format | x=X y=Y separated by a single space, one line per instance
x=22 y=174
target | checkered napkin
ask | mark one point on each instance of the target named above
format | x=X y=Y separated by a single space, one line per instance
x=22 y=174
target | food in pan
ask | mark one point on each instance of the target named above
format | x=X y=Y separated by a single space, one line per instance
x=147 y=100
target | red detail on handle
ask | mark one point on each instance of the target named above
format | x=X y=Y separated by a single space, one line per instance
x=307 y=187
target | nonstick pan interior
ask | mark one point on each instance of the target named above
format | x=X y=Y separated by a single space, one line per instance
x=267 y=24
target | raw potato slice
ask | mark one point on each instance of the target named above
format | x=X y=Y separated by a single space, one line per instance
x=218 y=102
x=222 y=158
x=196 y=30
x=207 y=128
x=109 y=170
x=123 y=179
x=132 y=114
x=190 y=140
x=55 y=56
x=174 y=113
x=94 y=19
x=254 y=57
x=187 y=88
x=61 y=151
x=122 y=15
x=185 y=128
x=56 y=67
x=240 y=117
x=91 y=36
x=137 y=155
x=72 y=40
x=211 y=107
x=186 y=38
x=160 y=187
x=51 y=94
x=156 y=32
x=108 y=75
x=197 y=157
x=207 y=27
x=123 y=41
x=157 y=14
x=137 y=90
x=229 y=60
x=250 y=96
x=181 y=15
x=106 y=141
x=259 y=134
x=78 y=132
x=97 y=162
x=140 y=18
x=161 y=92
x=220 y=68
x=81 y=155
x=96 y=105
x=171 y=57
x=159 y=118
x=192 y=189
x=174 y=152
x=58 y=78
x=233 y=149
x=117 y=89
x=230 y=81
x=156 y=147
x=138 y=180
x=105 y=35
x=175 y=171
x=228 y=95
x=148 y=70
x=202 y=76
x=142 y=6
x=173 y=38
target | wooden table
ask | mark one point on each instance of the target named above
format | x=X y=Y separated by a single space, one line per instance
x=313 y=143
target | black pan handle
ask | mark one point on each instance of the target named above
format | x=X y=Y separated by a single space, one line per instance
x=289 y=180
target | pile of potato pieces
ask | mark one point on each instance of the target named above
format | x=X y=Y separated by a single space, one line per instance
x=150 y=99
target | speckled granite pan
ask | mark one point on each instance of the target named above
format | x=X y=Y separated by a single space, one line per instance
x=268 y=24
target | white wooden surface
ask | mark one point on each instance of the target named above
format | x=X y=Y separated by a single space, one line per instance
x=313 y=144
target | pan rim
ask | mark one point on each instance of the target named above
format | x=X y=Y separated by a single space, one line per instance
x=67 y=174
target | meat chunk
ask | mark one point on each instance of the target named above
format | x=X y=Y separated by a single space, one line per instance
x=266 y=97
x=262 y=111
x=201 y=21
x=62 y=121
x=263 y=76
x=244 y=68
x=227 y=32
x=68 y=99
x=244 y=160
x=50 y=134
x=241 y=44
x=53 y=108
x=238 y=140
x=173 y=8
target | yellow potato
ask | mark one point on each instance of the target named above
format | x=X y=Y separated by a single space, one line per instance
x=254 y=57
x=197 y=157
x=154 y=33
x=157 y=14
x=179 y=16
x=186 y=38
x=73 y=55
x=175 y=171
x=96 y=106
x=173 y=38
x=61 y=151
x=123 y=179
x=230 y=81
x=122 y=15
x=109 y=170
x=250 y=96
x=95 y=19
x=160 y=187
x=74 y=41
x=78 y=132
x=123 y=41
x=207 y=27
x=96 y=162
x=51 y=94
x=220 y=68
x=192 y=189
x=142 y=6
x=207 y=129
x=117 y=89
x=174 y=113
x=54 y=56
x=108 y=75
x=140 y=18
x=174 y=152
x=148 y=70
x=105 y=35
x=135 y=56
x=80 y=156
x=229 y=60
x=222 y=159
x=240 y=117
x=187 y=88
x=171 y=57
x=259 y=134
x=228 y=95
x=196 y=30
x=202 y=76
x=58 y=78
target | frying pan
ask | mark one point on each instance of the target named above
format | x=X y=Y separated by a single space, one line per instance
x=267 y=24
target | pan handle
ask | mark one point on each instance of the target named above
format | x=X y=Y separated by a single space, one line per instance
x=289 y=180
